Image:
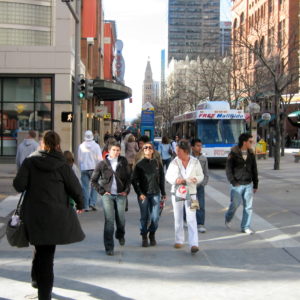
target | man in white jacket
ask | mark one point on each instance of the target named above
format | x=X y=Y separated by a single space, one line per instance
x=89 y=154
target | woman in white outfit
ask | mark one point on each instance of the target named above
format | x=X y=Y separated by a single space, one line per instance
x=185 y=170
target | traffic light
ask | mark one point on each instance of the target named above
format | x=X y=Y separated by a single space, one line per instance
x=81 y=87
x=89 y=89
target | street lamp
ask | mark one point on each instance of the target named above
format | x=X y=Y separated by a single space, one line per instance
x=253 y=108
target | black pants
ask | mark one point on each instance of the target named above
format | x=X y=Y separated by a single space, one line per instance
x=42 y=270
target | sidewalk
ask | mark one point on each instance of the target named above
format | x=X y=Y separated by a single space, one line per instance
x=229 y=264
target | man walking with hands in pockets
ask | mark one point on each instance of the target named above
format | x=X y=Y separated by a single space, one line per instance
x=241 y=171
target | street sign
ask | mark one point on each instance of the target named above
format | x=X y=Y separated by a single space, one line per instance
x=107 y=116
x=67 y=117
x=100 y=110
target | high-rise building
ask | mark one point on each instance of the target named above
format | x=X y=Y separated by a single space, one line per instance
x=225 y=36
x=163 y=74
x=194 y=29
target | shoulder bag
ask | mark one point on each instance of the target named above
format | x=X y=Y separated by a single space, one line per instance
x=15 y=230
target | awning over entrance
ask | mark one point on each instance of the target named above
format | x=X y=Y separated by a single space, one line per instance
x=111 y=91
x=294 y=114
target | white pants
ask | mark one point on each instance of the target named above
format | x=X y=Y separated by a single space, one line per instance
x=190 y=219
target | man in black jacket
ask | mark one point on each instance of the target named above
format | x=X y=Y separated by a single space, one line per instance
x=241 y=171
x=111 y=179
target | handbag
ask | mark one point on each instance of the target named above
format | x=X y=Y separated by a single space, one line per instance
x=181 y=193
x=15 y=230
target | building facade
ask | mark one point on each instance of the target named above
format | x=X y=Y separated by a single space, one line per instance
x=193 y=29
x=225 y=38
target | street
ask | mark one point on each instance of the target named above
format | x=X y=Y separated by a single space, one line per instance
x=229 y=265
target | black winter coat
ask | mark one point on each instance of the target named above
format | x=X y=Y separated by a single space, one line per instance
x=148 y=177
x=240 y=171
x=49 y=182
x=102 y=177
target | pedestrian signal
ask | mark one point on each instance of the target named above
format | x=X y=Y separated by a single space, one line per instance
x=67 y=117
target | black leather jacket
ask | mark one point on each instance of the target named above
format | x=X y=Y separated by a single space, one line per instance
x=240 y=171
x=102 y=177
x=148 y=177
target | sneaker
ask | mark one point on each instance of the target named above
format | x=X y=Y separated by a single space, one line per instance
x=121 y=241
x=109 y=252
x=228 y=224
x=178 y=246
x=201 y=229
x=194 y=249
x=248 y=231
x=87 y=210
x=93 y=207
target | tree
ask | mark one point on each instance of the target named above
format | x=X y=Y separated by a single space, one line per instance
x=272 y=69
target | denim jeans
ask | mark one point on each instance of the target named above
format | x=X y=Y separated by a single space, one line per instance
x=238 y=194
x=114 y=209
x=89 y=193
x=200 y=213
x=149 y=209
x=166 y=163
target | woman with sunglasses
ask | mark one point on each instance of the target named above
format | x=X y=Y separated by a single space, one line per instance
x=149 y=184
x=184 y=172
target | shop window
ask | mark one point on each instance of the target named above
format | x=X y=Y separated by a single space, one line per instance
x=18 y=90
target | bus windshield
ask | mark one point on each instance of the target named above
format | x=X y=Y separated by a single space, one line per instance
x=220 y=131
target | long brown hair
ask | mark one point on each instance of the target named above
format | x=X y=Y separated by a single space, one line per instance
x=51 y=141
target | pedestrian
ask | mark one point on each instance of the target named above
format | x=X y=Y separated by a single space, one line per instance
x=140 y=155
x=200 y=213
x=165 y=150
x=111 y=179
x=149 y=184
x=131 y=149
x=68 y=155
x=174 y=144
x=105 y=148
x=96 y=137
x=184 y=173
x=241 y=171
x=26 y=147
x=89 y=154
x=49 y=219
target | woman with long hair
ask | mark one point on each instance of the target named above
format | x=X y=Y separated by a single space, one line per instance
x=165 y=150
x=47 y=214
x=149 y=184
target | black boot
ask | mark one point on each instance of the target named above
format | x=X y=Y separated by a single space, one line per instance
x=145 y=240
x=152 y=239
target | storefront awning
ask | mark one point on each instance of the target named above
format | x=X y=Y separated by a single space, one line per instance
x=294 y=114
x=111 y=91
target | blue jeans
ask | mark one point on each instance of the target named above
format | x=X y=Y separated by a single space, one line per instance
x=200 y=213
x=166 y=162
x=89 y=193
x=149 y=209
x=114 y=209
x=238 y=194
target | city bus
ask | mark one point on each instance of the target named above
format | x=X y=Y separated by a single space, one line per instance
x=215 y=124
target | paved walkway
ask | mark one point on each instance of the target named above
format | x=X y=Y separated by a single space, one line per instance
x=230 y=265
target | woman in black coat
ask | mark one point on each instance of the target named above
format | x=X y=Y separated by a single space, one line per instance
x=49 y=219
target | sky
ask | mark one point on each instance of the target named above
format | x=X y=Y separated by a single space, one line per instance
x=142 y=25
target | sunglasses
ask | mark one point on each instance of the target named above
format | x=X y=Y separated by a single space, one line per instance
x=147 y=147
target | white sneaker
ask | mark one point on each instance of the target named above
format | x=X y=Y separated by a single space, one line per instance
x=248 y=231
x=228 y=224
x=201 y=229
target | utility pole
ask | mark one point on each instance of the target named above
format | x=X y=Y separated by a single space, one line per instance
x=76 y=132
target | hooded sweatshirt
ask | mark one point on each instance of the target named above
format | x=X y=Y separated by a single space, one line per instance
x=25 y=148
x=89 y=154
